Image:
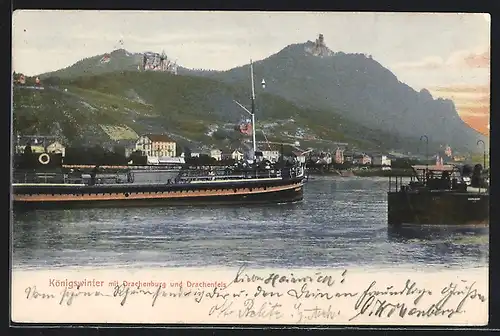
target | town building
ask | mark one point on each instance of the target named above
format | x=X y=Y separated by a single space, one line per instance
x=381 y=160
x=216 y=154
x=57 y=148
x=271 y=154
x=299 y=156
x=237 y=155
x=339 y=155
x=362 y=159
x=156 y=145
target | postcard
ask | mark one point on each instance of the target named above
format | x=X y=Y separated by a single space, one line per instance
x=235 y=168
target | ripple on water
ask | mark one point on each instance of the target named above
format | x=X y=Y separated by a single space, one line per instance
x=341 y=222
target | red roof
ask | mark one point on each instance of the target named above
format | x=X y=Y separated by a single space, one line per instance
x=159 y=138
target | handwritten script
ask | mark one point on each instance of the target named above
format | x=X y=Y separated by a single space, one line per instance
x=315 y=297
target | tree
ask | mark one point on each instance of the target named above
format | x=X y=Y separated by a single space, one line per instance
x=187 y=152
x=137 y=158
x=52 y=81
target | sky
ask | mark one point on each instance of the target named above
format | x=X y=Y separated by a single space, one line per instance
x=446 y=53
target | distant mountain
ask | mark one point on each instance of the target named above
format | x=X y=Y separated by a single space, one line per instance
x=116 y=61
x=108 y=108
x=356 y=87
x=346 y=96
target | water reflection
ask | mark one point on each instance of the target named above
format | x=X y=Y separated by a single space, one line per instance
x=438 y=245
x=406 y=233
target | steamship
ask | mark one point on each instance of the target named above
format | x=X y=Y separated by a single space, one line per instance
x=248 y=182
x=440 y=196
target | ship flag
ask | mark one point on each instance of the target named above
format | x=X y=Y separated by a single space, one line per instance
x=246 y=127
x=447 y=151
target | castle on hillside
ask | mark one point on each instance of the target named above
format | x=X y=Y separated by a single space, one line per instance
x=319 y=48
x=158 y=62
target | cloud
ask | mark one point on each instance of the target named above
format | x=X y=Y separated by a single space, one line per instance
x=464 y=96
x=475 y=89
x=478 y=58
x=473 y=110
x=430 y=62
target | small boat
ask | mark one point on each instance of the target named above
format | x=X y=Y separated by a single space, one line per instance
x=250 y=181
x=439 y=195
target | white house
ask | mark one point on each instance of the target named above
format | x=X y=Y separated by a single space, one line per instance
x=156 y=145
x=56 y=147
x=237 y=155
x=381 y=160
x=272 y=155
x=299 y=156
x=216 y=154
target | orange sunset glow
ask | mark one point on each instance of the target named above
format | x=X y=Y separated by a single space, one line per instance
x=472 y=104
x=471 y=101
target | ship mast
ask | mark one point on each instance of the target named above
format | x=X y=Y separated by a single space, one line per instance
x=253 y=111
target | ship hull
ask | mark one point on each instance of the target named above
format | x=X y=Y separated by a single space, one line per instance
x=135 y=195
x=441 y=208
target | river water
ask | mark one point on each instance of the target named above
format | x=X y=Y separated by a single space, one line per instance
x=341 y=222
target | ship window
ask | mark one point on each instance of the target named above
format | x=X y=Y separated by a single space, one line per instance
x=235 y=189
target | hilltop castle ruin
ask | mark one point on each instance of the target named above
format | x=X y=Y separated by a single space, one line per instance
x=319 y=48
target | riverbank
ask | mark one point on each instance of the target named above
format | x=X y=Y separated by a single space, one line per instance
x=375 y=172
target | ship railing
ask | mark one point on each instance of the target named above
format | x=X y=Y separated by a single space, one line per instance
x=31 y=177
x=231 y=176
x=74 y=180
x=400 y=182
